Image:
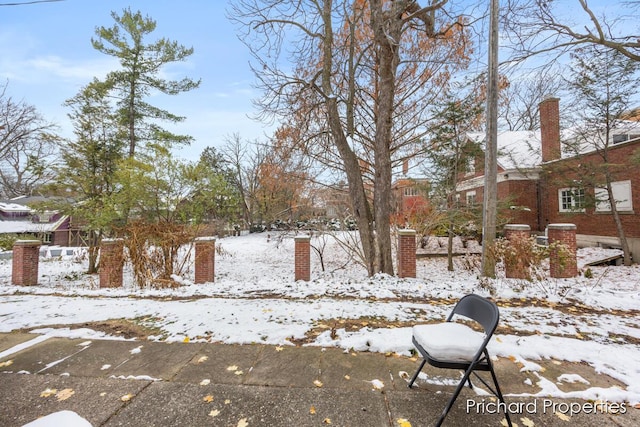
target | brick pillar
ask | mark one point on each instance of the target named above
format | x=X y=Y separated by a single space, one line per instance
x=563 y=261
x=205 y=259
x=303 y=258
x=517 y=235
x=406 y=253
x=24 y=271
x=111 y=263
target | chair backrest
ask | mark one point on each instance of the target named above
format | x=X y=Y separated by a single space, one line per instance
x=480 y=309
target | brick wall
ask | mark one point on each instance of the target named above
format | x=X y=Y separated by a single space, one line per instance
x=205 y=259
x=562 y=261
x=303 y=258
x=591 y=222
x=111 y=263
x=406 y=253
x=24 y=271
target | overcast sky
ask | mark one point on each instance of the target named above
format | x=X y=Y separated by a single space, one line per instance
x=46 y=56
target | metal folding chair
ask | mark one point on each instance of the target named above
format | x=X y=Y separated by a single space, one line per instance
x=454 y=345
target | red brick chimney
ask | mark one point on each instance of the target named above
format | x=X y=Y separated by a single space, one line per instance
x=550 y=128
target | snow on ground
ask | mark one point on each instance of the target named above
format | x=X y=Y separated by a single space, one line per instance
x=255 y=299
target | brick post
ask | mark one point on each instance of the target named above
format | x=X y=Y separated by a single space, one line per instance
x=205 y=259
x=24 y=271
x=303 y=258
x=406 y=253
x=563 y=261
x=517 y=235
x=111 y=263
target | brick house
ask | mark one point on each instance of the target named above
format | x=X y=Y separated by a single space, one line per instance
x=410 y=196
x=533 y=177
x=50 y=227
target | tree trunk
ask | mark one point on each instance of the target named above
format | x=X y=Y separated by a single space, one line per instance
x=387 y=27
x=619 y=228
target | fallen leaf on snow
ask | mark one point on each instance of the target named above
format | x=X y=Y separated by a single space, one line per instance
x=126 y=397
x=48 y=392
x=207 y=399
x=205 y=382
x=562 y=416
x=65 y=394
x=186 y=339
x=243 y=423
x=403 y=422
x=312 y=411
x=526 y=422
x=498 y=339
x=318 y=383
x=214 y=413
x=377 y=384
x=7 y=363
x=203 y=359
x=637 y=406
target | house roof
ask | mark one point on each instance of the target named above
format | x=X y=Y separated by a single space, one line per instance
x=516 y=149
x=13 y=207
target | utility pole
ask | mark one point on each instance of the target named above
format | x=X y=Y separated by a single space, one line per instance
x=490 y=202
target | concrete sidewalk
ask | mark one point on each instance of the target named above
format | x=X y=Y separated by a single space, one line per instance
x=134 y=383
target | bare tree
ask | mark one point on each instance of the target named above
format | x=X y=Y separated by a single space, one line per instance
x=520 y=99
x=543 y=26
x=28 y=147
x=358 y=91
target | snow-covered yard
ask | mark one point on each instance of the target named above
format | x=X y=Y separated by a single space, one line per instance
x=255 y=299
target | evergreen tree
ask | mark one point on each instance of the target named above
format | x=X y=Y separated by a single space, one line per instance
x=139 y=77
x=89 y=163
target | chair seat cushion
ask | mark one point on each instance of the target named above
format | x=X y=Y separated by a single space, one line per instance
x=449 y=341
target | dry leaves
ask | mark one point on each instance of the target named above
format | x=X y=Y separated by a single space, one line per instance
x=312 y=410
x=232 y=368
x=207 y=399
x=64 y=394
x=562 y=416
x=48 y=392
x=214 y=413
x=526 y=422
x=403 y=422
x=243 y=423
x=326 y=421
x=205 y=382
x=126 y=397
x=318 y=383
x=202 y=359
x=7 y=363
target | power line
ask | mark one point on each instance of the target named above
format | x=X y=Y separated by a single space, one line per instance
x=29 y=2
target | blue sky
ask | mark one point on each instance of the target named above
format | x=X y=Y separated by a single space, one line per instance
x=46 y=55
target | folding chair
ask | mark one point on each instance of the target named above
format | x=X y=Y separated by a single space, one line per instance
x=454 y=345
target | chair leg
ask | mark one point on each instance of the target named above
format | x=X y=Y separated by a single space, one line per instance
x=461 y=384
x=499 y=393
x=415 y=376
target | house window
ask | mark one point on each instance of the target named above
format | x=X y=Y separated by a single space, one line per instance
x=410 y=191
x=621 y=194
x=471 y=167
x=571 y=199
x=471 y=197
x=623 y=137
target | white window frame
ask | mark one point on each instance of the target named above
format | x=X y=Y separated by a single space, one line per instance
x=570 y=195
x=621 y=194
x=471 y=197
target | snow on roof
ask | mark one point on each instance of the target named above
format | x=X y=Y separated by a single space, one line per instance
x=516 y=149
x=14 y=207
x=16 y=227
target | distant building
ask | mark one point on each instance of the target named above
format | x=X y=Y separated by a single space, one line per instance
x=17 y=217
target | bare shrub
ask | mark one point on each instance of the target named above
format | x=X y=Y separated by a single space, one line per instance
x=157 y=251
